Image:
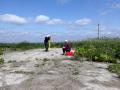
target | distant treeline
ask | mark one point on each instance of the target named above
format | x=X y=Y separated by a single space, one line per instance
x=28 y=45
x=103 y=42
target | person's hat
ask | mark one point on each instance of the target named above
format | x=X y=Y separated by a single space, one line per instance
x=48 y=35
x=66 y=40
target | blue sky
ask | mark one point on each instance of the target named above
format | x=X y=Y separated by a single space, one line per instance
x=31 y=20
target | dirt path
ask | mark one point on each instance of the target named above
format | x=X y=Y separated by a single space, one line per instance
x=39 y=70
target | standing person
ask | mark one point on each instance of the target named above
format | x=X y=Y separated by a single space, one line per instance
x=66 y=47
x=47 y=42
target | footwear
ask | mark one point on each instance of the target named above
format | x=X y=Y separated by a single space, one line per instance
x=63 y=54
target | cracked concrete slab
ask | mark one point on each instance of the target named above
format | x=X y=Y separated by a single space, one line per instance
x=39 y=70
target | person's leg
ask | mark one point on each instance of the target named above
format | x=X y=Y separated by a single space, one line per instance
x=46 y=47
x=49 y=44
x=68 y=50
x=63 y=50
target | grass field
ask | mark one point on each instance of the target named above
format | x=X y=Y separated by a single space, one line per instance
x=107 y=50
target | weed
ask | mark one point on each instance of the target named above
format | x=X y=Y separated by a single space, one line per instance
x=46 y=59
x=1 y=60
x=24 y=72
x=115 y=68
x=1 y=51
x=103 y=50
x=11 y=61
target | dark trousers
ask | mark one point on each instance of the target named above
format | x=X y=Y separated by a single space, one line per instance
x=46 y=46
x=65 y=50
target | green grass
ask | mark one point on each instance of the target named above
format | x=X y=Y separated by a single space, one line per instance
x=103 y=50
x=27 y=46
x=1 y=52
x=1 y=60
x=115 y=68
x=21 y=46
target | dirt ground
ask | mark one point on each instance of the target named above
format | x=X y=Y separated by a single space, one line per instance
x=39 y=70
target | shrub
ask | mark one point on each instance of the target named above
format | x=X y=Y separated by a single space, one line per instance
x=1 y=52
x=117 y=53
x=91 y=52
x=79 y=52
x=103 y=50
x=115 y=68
x=1 y=60
x=104 y=58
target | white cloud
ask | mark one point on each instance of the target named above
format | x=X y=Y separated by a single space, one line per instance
x=10 y=18
x=55 y=22
x=83 y=22
x=116 y=5
x=42 y=19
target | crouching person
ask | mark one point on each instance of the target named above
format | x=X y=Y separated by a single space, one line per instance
x=66 y=47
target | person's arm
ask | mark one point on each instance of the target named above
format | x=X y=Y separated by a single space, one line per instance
x=64 y=45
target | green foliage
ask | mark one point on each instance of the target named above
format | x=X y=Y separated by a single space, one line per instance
x=1 y=60
x=103 y=50
x=104 y=58
x=1 y=52
x=115 y=68
x=79 y=52
x=117 y=53
x=57 y=44
x=26 y=45
x=21 y=46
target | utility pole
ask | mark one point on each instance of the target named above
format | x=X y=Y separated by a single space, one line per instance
x=98 y=31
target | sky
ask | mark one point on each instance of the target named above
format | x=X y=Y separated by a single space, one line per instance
x=32 y=20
